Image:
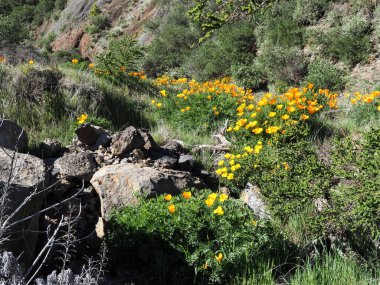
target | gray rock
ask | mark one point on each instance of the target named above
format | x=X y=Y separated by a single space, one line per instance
x=10 y=269
x=254 y=199
x=149 y=141
x=50 y=148
x=186 y=162
x=12 y=136
x=76 y=166
x=174 y=146
x=169 y=162
x=29 y=175
x=118 y=185
x=126 y=141
x=93 y=136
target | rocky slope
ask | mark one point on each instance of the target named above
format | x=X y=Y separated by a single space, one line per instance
x=123 y=17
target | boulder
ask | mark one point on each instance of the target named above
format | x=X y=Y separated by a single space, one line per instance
x=186 y=162
x=126 y=141
x=12 y=136
x=76 y=166
x=29 y=175
x=174 y=146
x=93 y=136
x=252 y=197
x=149 y=141
x=50 y=148
x=119 y=185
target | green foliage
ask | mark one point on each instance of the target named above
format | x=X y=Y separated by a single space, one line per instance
x=357 y=197
x=212 y=16
x=348 y=40
x=98 y=20
x=11 y=31
x=332 y=269
x=324 y=74
x=45 y=43
x=249 y=76
x=282 y=65
x=173 y=43
x=232 y=45
x=123 y=56
x=194 y=235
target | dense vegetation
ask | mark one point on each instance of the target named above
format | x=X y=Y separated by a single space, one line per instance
x=272 y=83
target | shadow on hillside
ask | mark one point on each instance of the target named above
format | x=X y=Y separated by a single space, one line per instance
x=143 y=258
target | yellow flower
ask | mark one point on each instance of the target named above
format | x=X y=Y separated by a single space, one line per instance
x=171 y=208
x=304 y=117
x=31 y=62
x=378 y=108
x=223 y=197
x=219 y=211
x=271 y=114
x=82 y=118
x=159 y=105
x=168 y=197
x=163 y=93
x=212 y=196
x=257 y=131
x=227 y=155
x=74 y=61
x=153 y=102
x=205 y=266
x=221 y=163
x=183 y=110
x=279 y=107
x=209 y=202
x=186 y=195
x=230 y=176
x=291 y=109
x=253 y=115
x=285 y=117
x=254 y=222
x=91 y=66
x=286 y=165
x=209 y=97
x=272 y=130
x=219 y=257
x=187 y=108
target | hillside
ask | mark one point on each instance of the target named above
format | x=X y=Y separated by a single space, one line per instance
x=189 y=142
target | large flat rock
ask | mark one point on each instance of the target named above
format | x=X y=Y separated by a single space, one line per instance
x=119 y=185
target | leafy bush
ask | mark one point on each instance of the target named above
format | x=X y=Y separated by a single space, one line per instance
x=122 y=57
x=249 y=76
x=203 y=237
x=97 y=19
x=173 y=43
x=232 y=45
x=324 y=74
x=281 y=64
x=357 y=197
x=11 y=31
x=348 y=40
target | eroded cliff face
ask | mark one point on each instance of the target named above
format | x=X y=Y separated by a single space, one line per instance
x=124 y=17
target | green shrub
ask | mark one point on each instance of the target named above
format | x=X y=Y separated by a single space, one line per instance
x=231 y=45
x=348 y=40
x=190 y=239
x=281 y=64
x=309 y=11
x=249 y=76
x=357 y=197
x=123 y=56
x=11 y=31
x=173 y=43
x=97 y=19
x=324 y=74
